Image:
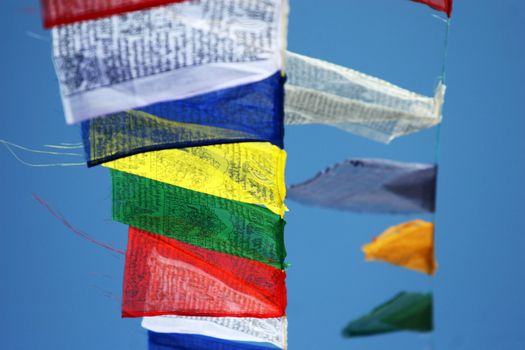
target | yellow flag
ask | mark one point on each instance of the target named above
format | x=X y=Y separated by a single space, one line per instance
x=250 y=172
x=410 y=245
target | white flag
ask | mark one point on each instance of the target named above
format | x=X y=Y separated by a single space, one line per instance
x=319 y=92
x=267 y=330
x=166 y=53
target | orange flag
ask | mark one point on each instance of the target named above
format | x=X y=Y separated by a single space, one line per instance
x=410 y=245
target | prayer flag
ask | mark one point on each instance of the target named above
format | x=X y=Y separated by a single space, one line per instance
x=250 y=172
x=200 y=219
x=59 y=12
x=166 y=277
x=251 y=112
x=163 y=341
x=371 y=185
x=405 y=312
x=260 y=330
x=319 y=92
x=166 y=53
x=440 y=5
x=409 y=245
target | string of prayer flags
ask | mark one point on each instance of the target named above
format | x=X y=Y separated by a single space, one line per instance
x=440 y=5
x=163 y=276
x=405 y=312
x=258 y=330
x=250 y=172
x=125 y=61
x=251 y=112
x=203 y=220
x=184 y=102
x=164 y=341
x=59 y=12
x=409 y=245
x=371 y=185
x=319 y=92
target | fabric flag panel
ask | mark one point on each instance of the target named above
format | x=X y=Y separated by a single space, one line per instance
x=260 y=330
x=166 y=53
x=371 y=185
x=251 y=172
x=207 y=221
x=319 y=92
x=163 y=341
x=251 y=112
x=167 y=277
x=410 y=245
x=58 y=12
x=440 y=5
x=405 y=312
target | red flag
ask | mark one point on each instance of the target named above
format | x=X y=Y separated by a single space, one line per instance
x=164 y=276
x=58 y=12
x=440 y=5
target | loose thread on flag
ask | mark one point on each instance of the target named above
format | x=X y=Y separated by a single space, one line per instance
x=10 y=146
x=71 y=228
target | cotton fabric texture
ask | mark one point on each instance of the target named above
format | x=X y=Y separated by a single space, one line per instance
x=207 y=221
x=372 y=186
x=163 y=276
x=409 y=245
x=319 y=92
x=251 y=172
x=122 y=62
x=260 y=330
x=404 y=312
x=251 y=112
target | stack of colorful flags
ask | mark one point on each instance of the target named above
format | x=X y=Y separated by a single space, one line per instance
x=184 y=102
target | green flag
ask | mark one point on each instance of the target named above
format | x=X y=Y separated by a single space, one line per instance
x=406 y=311
x=200 y=219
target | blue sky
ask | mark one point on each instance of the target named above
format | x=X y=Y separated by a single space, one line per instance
x=60 y=292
